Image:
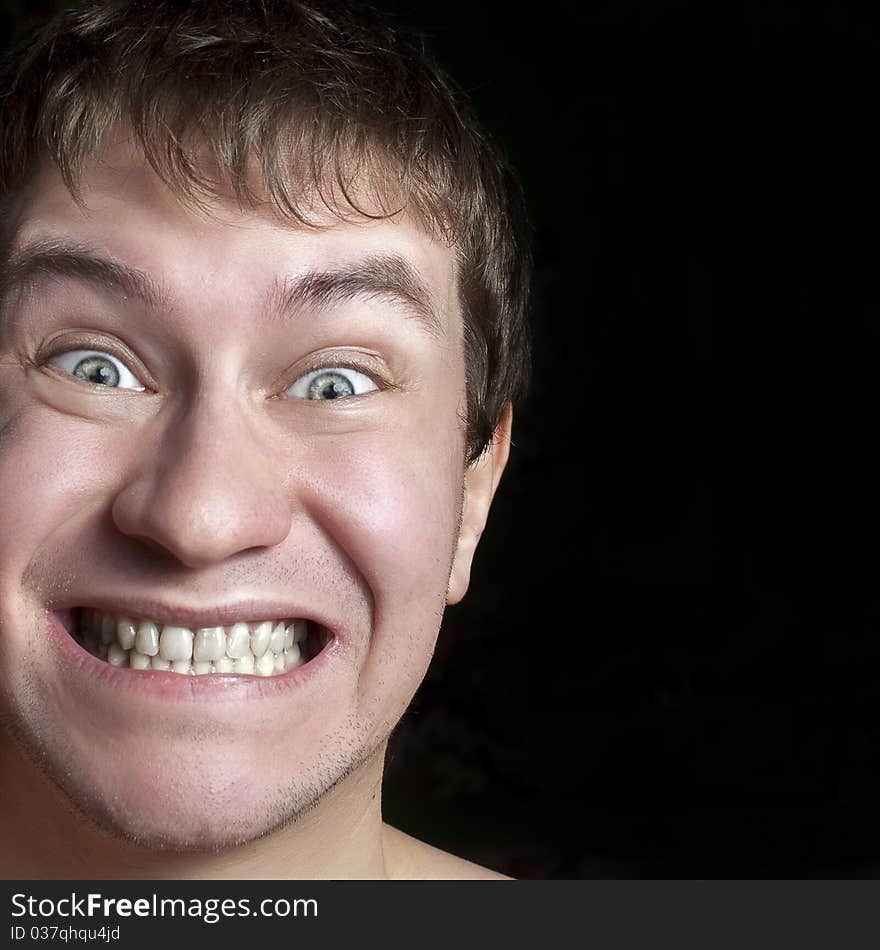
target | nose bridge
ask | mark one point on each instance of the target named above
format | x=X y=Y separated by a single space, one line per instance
x=210 y=490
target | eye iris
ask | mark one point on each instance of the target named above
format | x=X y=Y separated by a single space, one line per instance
x=97 y=369
x=330 y=386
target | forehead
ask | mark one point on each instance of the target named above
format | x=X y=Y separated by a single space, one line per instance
x=127 y=213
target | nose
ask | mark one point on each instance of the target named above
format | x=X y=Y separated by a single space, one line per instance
x=209 y=488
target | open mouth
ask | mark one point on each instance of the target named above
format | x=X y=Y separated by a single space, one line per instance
x=258 y=648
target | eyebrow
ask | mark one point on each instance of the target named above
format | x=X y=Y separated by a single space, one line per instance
x=387 y=277
x=56 y=258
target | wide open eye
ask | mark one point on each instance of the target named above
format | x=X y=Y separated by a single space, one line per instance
x=97 y=367
x=332 y=382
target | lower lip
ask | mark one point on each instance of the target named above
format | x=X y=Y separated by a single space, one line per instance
x=171 y=687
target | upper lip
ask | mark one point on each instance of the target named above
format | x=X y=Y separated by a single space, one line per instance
x=215 y=616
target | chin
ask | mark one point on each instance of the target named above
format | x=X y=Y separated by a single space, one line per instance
x=186 y=830
x=164 y=796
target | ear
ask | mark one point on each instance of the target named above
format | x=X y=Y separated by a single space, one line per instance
x=480 y=481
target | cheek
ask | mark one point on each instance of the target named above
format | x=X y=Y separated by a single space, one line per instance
x=48 y=474
x=55 y=470
x=394 y=512
x=43 y=482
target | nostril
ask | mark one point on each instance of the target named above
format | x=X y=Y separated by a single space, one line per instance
x=157 y=550
x=160 y=556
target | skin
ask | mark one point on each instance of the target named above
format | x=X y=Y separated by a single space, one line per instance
x=216 y=488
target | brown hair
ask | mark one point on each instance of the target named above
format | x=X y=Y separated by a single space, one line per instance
x=323 y=97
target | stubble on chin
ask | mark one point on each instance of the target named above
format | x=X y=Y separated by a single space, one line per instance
x=204 y=827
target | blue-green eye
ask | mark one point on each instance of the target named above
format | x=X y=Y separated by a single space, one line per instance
x=96 y=367
x=333 y=382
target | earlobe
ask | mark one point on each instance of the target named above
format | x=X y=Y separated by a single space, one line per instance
x=480 y=481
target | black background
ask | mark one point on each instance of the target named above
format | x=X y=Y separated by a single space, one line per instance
x=667 y=664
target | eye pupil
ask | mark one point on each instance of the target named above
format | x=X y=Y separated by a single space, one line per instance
x=97 y=369
x=330 y=386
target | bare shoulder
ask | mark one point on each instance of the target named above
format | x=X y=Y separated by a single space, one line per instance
x=407 y=858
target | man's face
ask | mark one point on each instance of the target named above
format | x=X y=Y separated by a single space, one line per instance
x=174 y=454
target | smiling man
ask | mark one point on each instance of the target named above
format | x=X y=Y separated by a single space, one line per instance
x=263 y=297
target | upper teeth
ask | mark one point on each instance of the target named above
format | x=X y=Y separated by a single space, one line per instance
x=264 y=647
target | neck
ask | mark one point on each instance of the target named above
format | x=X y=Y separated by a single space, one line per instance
x=43 y=837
